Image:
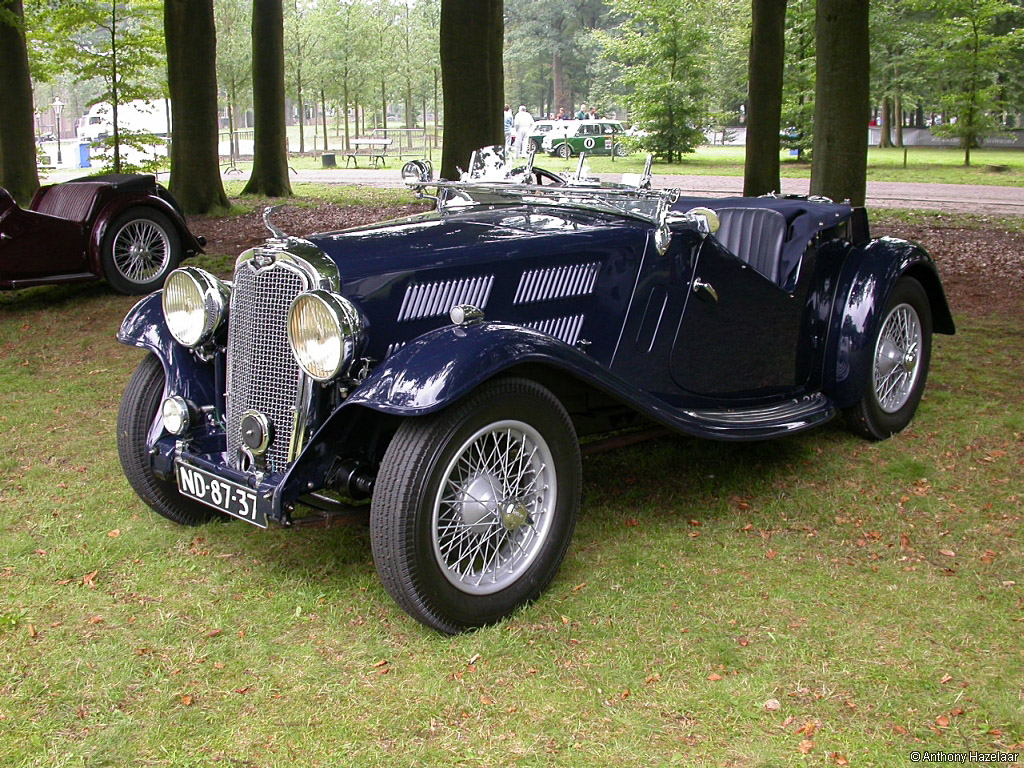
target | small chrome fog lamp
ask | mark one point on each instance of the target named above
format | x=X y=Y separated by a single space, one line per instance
x=176 y=415
x=325 y=333
x=195 y=305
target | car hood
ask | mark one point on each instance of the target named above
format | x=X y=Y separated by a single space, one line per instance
x=470 y=237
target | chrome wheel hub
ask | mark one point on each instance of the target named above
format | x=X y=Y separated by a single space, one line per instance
x=897 y=354
x=494 y=507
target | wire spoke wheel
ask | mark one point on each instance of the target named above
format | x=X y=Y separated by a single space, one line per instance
x=141 y=250
x=493 y=509
x=474 y=506
x=895 y=374
x=896 y=358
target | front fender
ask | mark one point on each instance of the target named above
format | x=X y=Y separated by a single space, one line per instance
x=442 y=366
x=185 y=374
x=867 y=279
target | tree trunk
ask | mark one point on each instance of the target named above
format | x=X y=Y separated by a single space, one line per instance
x=323 y=111
x=558 y=84
x=885 y=124
x=842 y=101
x=192 y=81
x=270 y=154
x=17 y=129
x=114 y=96
x=764 y=97
x=345 y=97
x=472 y=73
x=897 y=111
x=302 y=109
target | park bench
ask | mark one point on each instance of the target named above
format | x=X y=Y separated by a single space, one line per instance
x=373 y=149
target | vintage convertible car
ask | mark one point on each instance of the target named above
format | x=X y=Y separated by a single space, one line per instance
x=124 y=228
x=445 y=366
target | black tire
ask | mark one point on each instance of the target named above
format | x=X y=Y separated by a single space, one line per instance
x=139 y=249
x=564 y=151
x=538 y=145
x=420 y=541
x=135 y=417
x=900 y=357
x=621 y=150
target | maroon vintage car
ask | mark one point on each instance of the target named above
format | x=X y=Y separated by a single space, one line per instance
x=126 y=229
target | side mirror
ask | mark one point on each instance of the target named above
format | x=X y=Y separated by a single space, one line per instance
x=706 y=219
x=417 y=172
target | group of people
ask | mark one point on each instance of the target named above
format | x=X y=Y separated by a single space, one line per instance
x=519 y=125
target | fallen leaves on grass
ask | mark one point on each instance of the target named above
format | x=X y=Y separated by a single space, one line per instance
x=805 y=746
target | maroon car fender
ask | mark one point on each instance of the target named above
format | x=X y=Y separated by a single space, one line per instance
x=190 y=244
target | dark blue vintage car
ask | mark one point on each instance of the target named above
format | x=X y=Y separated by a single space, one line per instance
x=444 y=366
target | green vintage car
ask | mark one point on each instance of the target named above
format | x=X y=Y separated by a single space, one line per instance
x=595 y=137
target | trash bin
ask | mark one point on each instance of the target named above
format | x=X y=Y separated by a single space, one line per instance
x=328 y=160
x=83 y=156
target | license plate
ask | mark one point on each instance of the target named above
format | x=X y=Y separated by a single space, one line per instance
x=229 y=497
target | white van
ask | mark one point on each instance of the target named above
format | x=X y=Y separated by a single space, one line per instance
x=138 y=115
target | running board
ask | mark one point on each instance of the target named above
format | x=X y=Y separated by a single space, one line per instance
x=763 y=422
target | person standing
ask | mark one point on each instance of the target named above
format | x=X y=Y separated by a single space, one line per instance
x=508 y=126
x=522 y=124
x=561 y=114
x=582 y=114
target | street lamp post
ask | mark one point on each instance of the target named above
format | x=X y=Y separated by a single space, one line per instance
x=58 y=107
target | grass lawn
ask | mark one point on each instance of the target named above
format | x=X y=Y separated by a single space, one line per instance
x=815 y=601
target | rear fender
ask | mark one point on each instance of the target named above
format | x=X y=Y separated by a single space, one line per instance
x=868 y=277
x=118 y=205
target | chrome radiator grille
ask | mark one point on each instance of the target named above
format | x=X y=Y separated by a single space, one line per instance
x=262 y=374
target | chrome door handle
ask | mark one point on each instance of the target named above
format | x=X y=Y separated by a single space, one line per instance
x=700 y=285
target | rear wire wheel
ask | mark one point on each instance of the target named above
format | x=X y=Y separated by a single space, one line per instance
x=474 y=507
x=899 y=364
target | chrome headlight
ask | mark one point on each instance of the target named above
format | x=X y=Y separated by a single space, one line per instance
x=325 y=332
x=195 y=305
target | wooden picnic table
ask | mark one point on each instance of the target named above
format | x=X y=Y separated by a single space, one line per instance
x=375 y=149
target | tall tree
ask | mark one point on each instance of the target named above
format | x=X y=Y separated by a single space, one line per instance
x=975 y=51
x=192 y=80
x=472 y=78
x=842 y=100
x=660 y=47
x=234 y=62
x=270 y=155
x=764 y=99
x=17 y=132
x=119 y=43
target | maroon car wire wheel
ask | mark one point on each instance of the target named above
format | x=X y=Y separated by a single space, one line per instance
x=141 y=250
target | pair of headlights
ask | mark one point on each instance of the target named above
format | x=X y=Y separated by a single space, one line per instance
x=325 y=331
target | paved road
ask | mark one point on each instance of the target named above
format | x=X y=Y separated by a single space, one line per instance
x=1001 y=201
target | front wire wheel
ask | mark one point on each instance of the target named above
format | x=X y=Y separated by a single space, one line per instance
x=564 y=151
x=474 y=506
x=899 y=364
x=137 y=417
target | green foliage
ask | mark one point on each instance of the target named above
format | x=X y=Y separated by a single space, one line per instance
x=797 y=125
x=975 y=47
x=657 y=48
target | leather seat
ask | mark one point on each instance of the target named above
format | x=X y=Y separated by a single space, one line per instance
x=755 y=236
x=72 y=201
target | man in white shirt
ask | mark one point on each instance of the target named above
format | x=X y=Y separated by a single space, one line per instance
x=521 y=125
